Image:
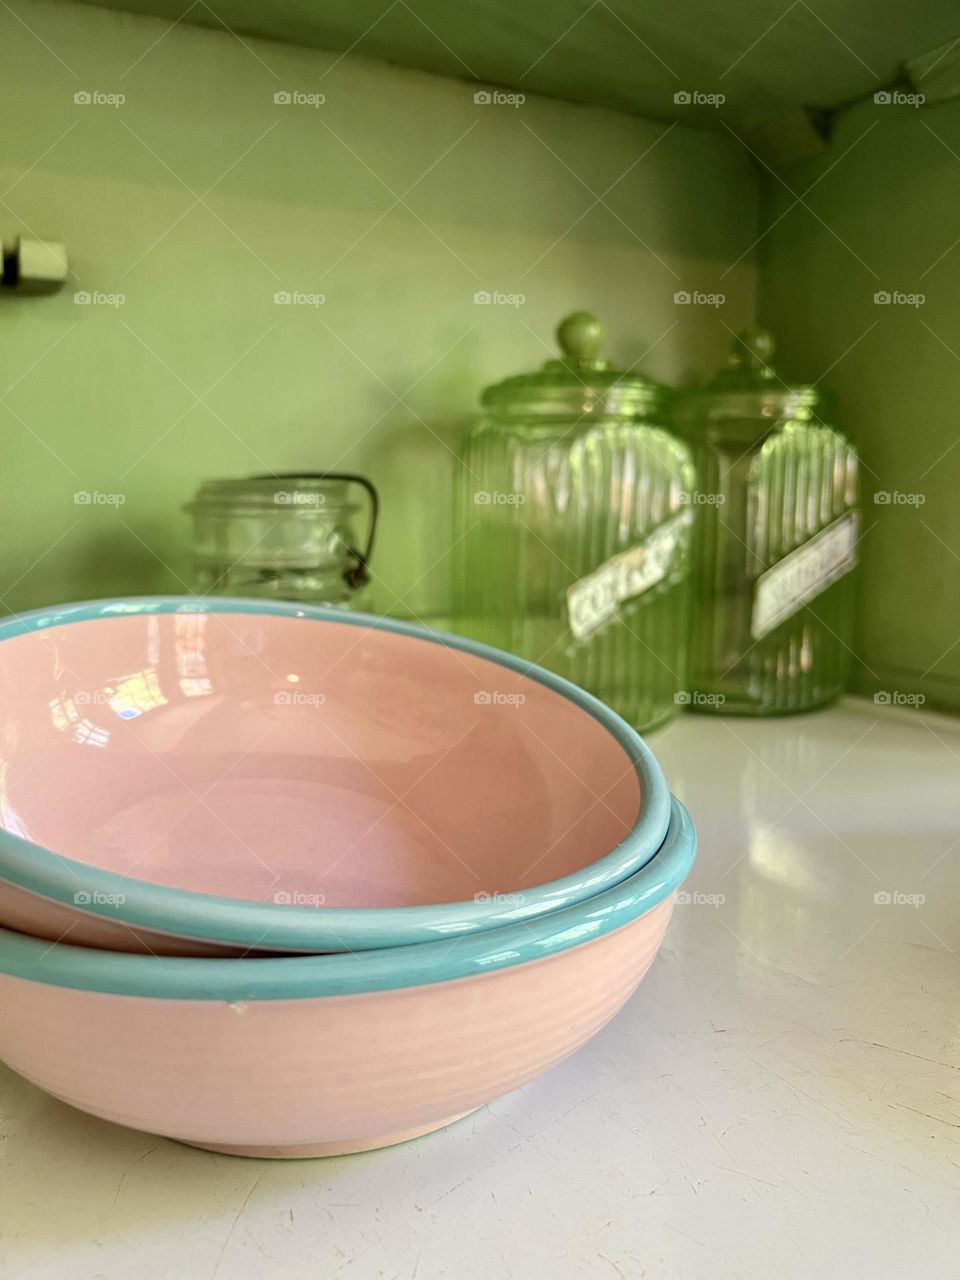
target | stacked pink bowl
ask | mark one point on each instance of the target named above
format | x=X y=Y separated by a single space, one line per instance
x=288 y=881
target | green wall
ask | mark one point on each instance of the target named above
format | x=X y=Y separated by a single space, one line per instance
x=200 y=198
x=882 y=218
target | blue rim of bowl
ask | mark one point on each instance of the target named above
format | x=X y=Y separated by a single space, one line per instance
x=303 y=977
x=182 y=913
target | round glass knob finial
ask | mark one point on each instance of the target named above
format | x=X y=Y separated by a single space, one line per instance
x=581 y=337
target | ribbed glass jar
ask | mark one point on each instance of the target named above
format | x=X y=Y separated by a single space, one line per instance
x=574 y=529
x=777 y=536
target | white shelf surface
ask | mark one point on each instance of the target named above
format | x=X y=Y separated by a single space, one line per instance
x=780 y=1100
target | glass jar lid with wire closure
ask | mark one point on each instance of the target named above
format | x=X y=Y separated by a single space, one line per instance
x=290 y=536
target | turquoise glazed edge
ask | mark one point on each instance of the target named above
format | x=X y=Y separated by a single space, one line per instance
x=228 y=921
x=306 y=977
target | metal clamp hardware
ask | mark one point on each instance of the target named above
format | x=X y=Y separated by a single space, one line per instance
x=358 y=575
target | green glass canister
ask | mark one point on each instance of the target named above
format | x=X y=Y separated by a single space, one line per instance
x=574 y=528
x=776 y=539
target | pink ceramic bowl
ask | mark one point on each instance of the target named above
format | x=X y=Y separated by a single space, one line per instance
x=191 y=777
x=319 y=1055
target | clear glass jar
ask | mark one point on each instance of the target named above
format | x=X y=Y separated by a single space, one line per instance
x=574 y=528
x=777 y=535
x=286 y=537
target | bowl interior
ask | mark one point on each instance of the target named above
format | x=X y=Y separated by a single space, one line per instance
x=304 y=761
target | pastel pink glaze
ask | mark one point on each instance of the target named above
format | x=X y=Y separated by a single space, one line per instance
x=251 y=757
x=322 y=1076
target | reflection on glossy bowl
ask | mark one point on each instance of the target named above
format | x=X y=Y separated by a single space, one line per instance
x=320 y=1055
x=186 y=776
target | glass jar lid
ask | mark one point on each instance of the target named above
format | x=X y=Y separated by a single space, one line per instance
x=750 y=387
x=579 y=384
x=306 y=517
x=251 y=495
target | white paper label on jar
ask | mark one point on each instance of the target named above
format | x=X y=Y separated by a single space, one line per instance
x=595 y=600
x=803 y=574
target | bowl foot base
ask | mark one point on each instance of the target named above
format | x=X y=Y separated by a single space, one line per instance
x=345 y=1147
